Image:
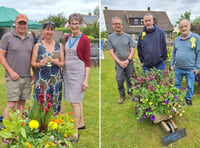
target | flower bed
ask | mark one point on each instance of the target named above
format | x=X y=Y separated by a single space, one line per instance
x=156 y=95
x=42 y=128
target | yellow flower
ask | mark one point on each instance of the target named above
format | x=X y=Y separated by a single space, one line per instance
x=53 y=144
x=53 y=125
x=168 y=106
x=72 y=120
x=162 y=109
x=33 y=124
x=46 y=146
x=147 y=100
x=163 y=103
x=180 y=114
x=168 y=112
x=28 y=145
x=183 y=111
x=150 y=103
x=143 y=34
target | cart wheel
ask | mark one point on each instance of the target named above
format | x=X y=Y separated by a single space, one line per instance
x=170 y=126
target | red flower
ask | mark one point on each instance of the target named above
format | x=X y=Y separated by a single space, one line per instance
x=41 y=98
x=49 y=104
x=41 y=88
x=46 y=109
x=48 y=97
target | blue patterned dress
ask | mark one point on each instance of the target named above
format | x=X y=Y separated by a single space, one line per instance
x=50 y=77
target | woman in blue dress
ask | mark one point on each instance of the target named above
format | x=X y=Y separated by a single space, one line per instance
x=48 y=59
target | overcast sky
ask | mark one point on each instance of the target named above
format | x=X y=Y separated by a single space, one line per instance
x=37 y=10
x=174 y=8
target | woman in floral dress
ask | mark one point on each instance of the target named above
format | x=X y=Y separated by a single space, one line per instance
x=48 y=59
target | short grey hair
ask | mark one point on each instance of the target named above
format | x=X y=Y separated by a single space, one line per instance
x=118 y=18
x=76 y=17
x=148 y=14
x=184 y=20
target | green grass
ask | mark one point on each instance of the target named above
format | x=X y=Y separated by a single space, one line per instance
x=120 y=129
x=89 y=138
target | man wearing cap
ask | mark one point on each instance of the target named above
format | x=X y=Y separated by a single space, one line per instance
x=15 y=56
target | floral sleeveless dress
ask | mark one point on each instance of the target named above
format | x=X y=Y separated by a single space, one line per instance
x=50 y=77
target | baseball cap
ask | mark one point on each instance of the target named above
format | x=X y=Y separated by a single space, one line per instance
x=21 y=17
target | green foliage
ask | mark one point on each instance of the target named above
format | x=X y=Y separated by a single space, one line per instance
x=96 y=11
x=58 y=19
x=186 y=15
x=64 y=30
x=91 y=30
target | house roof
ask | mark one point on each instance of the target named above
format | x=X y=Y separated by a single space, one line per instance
x=90 y=19
x=161 y=18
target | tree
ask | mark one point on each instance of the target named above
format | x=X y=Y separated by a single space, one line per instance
x=186 y=15
x=58 y=19
x=96 y=11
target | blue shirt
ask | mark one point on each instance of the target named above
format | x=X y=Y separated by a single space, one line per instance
x=186 y=52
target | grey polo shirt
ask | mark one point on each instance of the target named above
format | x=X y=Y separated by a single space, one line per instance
x=18 y=52
x=121 y=44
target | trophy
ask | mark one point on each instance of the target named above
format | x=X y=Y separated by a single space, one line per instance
x=49 y=61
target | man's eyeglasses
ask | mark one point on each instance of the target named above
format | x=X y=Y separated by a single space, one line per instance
x=117 y=24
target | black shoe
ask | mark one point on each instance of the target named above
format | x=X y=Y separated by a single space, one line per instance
x=189 y=102
x=82 y=127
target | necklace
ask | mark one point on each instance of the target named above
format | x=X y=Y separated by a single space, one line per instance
x=72 y=44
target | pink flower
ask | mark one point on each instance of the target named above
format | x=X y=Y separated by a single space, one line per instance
x=63 y=108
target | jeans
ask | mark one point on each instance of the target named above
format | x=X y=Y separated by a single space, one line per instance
x=160 y=66
x=122 y=73
x=190 y=76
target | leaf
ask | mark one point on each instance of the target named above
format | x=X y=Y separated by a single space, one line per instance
x=6 y=134
x=23 y=132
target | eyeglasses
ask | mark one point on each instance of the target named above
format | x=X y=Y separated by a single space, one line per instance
x=74 y=24
x=117 y=24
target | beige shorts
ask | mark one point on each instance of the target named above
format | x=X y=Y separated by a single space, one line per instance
x=19 y=89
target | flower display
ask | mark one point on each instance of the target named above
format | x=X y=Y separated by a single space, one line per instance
x=156 y=95
x=40 y=128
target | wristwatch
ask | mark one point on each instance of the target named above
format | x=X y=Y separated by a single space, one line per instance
x=129 y=60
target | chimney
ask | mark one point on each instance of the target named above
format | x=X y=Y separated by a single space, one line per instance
x=90 y=14
x=148 y=8
x=106 y=8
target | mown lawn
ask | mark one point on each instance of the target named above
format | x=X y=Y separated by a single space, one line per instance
x=89 y=138
x=120 y=129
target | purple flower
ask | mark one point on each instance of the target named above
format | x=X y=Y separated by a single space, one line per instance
x=134 y=84
x=172 y=110
x=148 y=110
x=140 y=120
x=133 y=100
x=137 y=87
x=166 y=102
x=184 y=88
x=175 y=97
x=136 y=113
x=138 y=107
x=144 y=116
x=152 y=117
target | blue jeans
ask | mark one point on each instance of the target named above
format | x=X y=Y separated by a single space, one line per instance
x=161 y=66
x=190 y=76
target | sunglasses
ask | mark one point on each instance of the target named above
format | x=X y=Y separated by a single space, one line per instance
x=48 y=23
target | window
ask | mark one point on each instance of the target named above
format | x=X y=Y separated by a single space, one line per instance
x=136 y=21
